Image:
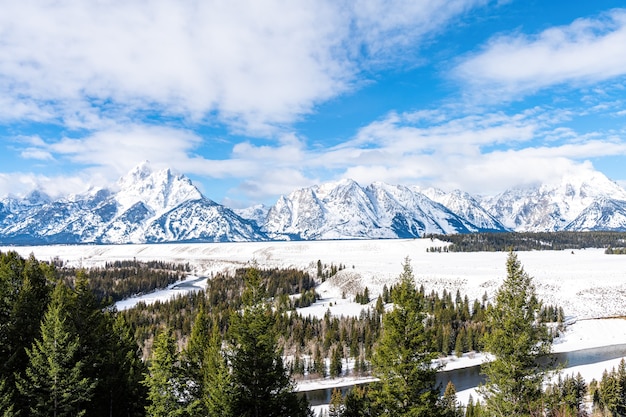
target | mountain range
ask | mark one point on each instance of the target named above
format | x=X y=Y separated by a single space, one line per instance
x=148 y=206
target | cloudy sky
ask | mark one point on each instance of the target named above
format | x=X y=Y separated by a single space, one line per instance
x=255 y=98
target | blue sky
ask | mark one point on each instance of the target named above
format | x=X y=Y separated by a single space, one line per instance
x=253 y=99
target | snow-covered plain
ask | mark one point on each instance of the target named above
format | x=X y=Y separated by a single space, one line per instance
x=588 y=284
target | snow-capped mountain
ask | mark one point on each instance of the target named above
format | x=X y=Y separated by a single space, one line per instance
x=553 y=206
x=345 y=210
x=146 y=206
x=602 y=214
x=160 y=206
x=465 y=206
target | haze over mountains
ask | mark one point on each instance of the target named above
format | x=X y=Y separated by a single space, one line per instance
x=149 y=206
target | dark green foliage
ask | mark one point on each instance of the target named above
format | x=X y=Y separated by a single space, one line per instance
x=122 y=279
x=97 y=347
x=615 y=251
x=473 y=409
x=566 y=397
x=194 y=358
x=24 y=296
x=55 y=381
x=609 y=396
x=336 y=407
x=307 y=297
x=163 y=381
x=364 y=297
x=521 y=241
x=516 y=339
x=402 y=359
x=262 y=385
x=218 y=387
x=449 y=404
x=335 y=362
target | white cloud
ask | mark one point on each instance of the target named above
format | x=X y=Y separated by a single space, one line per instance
x=21 y=183
x=256 y=65
x=482 y=154
x=34 y=153
x=585 y=52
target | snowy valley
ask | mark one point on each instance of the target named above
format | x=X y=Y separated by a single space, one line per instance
x=588 y=284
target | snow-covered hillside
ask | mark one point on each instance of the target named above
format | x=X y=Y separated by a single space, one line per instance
x=586 y=283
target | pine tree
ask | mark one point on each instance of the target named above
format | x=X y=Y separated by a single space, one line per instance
x=402 y=360
x=7 y=408
x=163 y=381
x=54 y=381
x=194 y=357
x=449 y=404
x=262 y=383
x=357 y=403
x=516 y=339
x=335 y=362
x=335 y=408
x=24 y=296
x=125 y=371
x=219 y=391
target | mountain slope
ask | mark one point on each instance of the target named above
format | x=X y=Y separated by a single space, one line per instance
x=552 y=206
x=602 y=214
x=345 y=210
x=146 y=206
x=160 y=206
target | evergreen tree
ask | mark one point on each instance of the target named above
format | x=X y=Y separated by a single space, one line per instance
x=219 y=391
x=335 y=362
x=163 y=383
x=54 y=381
x=449 y=404
x=125 y=370
x=7 y=408
x=262 y=383
x=516 y=339
x=402 y=360
x=24 y=296
x=357 y=403
x=335 y=408
x=194 y=357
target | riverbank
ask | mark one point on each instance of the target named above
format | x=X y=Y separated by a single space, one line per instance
x=580 y=335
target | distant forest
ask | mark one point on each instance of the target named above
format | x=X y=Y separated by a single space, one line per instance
x=522 y=241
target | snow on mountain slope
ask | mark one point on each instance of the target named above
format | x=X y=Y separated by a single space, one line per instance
x=337 y=210
x=466 y=206
x=602 y=214
x=201 y=220
x=552 y=206
x=256 y=213
x=412 y=214
x=160 y=206
x=345 y=210
x=159 y=191
x=146 y=206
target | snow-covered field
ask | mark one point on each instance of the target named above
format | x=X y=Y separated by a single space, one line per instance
x=587 y=283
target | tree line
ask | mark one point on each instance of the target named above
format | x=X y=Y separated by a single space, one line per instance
x=524 y=241
x=122 y=279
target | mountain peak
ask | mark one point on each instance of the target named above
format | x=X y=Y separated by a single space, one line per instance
x=139 y=172
x=158 y=190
